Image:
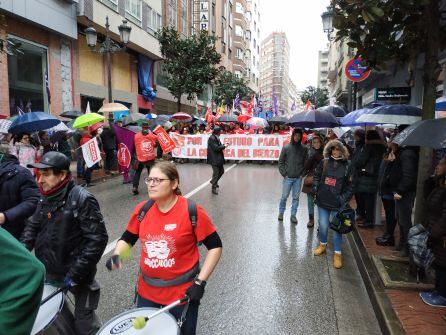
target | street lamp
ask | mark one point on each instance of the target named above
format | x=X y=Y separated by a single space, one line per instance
x=327 y=22
x=108 y=46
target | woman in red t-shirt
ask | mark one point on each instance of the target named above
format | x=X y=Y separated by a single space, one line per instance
x=169 y=247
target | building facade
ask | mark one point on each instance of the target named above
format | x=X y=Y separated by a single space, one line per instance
x=253 y=51
x=338 y=85
x=274 y=71
x=322 y=70
x=36 y=60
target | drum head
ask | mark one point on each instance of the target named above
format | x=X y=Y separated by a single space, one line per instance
x=49 y=310
x=163 y=324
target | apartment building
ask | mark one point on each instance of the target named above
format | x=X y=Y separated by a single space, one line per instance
x=322 y=69
x=253 y=51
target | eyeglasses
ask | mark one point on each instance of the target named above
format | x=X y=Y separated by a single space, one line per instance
x=154 y=181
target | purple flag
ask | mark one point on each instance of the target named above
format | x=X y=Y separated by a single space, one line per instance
x=237 y=101
x=126 y=142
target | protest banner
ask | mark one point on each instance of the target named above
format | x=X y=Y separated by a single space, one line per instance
x=91 y=153
x=240 y=147
x=165 y=141
x=126 y=141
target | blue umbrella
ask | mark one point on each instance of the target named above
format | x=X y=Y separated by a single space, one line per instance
x=33 y=121
x=394 y=114
x=337 y=111
x=440 y=104
x=151 y=116
x=313 y=119
x=351 y=119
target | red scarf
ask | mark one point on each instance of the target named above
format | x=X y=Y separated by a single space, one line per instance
x=56 y=189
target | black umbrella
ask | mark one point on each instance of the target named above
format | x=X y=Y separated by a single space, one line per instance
x=71 y=114
x=227 y=118
x=424 y=133
x=335 y=110
x=313 y=119
x=199 y=122
x=278 y=119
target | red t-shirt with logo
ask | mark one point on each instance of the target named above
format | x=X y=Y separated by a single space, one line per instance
x=168 y=247
x=145 y=147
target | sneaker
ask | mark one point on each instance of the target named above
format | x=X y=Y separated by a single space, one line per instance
x=310 y=223
x=293 y=219
x=215 y=191
x=320 y=249
x=337 y=260
x=433 y=299
x=280 y=218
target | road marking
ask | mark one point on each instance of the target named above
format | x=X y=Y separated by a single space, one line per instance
x=112 y=245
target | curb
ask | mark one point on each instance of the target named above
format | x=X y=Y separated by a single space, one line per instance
x=387 y=318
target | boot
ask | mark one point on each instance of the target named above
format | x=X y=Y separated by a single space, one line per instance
x=337 y=260
x=214 y=190
x=385 y=240
x=280 y=217
x=135 y=191
x=293 y=219
x=320 y=249
x=310 y=223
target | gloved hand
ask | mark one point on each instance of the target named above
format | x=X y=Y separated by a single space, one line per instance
x=69 y=282
x=113 y=263
x=195 y=292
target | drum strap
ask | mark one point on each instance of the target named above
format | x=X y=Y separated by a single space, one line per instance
x=182 y=279
x=183 y=314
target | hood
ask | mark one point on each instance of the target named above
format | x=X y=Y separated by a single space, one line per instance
x=296 y=131
x=8 y=162
x=335 y=143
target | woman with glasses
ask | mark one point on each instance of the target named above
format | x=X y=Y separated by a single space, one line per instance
x=333 y=189
x=25 y=151
x=169 y=264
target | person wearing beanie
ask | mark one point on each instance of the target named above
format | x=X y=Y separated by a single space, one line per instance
x=291 y=167
x=68 y=235
x=216 y=158
x=332 y=188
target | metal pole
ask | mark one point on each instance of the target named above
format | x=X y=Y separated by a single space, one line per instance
x=349 y=96
x=355 y=95
x=108 y=51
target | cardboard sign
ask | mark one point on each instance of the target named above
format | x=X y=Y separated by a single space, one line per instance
x=91 y=153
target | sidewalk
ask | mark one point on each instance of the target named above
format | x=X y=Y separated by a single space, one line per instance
x=413 y=314
x=96 y=176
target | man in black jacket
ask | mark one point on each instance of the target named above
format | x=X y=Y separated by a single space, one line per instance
x=68 y=234
x=108 y=138
x=216 y=158
x=19 y=193
x=291 y=167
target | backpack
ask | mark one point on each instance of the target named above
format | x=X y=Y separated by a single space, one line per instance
x=191 y=208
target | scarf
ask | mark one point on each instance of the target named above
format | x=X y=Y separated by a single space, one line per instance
x=56 y=192
x=337 y=159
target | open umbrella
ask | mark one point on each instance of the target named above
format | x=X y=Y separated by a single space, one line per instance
x=278 y=119
x=243 y=118
x=71 y=114
x=337 y=111
x=4 y=126
x=227 y=118
x=392 y=114
x=257 y=122
x=60 y=127
x=182 y=117
x=199 y=122
x=351 y=119
x=425 y=133
x=134 y=118
x=31 y=122
x=313 y=119
x=151 y=116
x=87 y=120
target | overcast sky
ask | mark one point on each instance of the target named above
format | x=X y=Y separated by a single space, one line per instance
x=301 y=21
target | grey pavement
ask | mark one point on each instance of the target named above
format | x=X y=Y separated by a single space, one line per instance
x=268 y=281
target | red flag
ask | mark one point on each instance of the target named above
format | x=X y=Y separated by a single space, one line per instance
x=308 y=105
x=166 y=143
x=208 y=116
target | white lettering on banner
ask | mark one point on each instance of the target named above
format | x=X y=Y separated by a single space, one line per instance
x=241 y=147
x=90 y=152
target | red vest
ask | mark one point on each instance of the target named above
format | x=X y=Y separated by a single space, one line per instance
x=145 y=147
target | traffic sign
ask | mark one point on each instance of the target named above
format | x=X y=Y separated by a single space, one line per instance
x=355 y=71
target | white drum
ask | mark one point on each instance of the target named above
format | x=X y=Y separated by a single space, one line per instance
x=49 y=310
x=163 y=324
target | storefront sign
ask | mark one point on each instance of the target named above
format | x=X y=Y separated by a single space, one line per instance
x=240 y=147
x=394 y=94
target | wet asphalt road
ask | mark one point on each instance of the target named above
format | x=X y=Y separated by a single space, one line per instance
x=268 y=281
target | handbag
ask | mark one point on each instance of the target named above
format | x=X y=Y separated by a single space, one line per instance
x=344 y=221
x=308 y=180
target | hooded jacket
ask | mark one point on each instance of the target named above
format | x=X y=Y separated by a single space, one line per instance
x=292 y=157
x=331 y=182
x=19 y=195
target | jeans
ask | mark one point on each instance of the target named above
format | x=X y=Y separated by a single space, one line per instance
x=110 y=159
x=404 y=216
x=310 y=203
x=288 y=185
x=189 y=326
x=217 y=172
x=324 y=222
x=138 y=171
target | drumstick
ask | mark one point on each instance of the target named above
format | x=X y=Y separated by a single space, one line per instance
x=60 y=289
x=140 y=321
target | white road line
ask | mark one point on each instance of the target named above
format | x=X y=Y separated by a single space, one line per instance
x=112 y=245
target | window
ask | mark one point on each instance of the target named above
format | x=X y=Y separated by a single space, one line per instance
x=172 y=11
x=255 y=25
x=254 y=60
x=133 y=8
x=248 y=35
x=153 y=20
x=239 y=53
x=26 y=76
x=255 y=43
x=113 y=4
x=239 y=9
x=184 y=17
x=238 y=74
x=238 y=31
